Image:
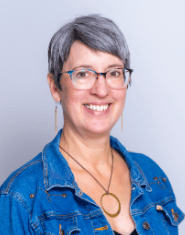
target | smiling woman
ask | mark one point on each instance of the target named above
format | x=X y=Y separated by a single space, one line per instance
x=85 y=181
x=96 y=108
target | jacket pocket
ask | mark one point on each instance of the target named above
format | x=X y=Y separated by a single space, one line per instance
x=170 y=213
x=55 y=226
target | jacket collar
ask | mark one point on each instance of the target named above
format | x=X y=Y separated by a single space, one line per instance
x=56 y=169
x=57 y=172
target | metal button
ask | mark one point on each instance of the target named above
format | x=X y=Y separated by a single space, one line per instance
x=61 y=231
x=146 y=226
x=175 y=215
x=159 y=208
x=133 y=188
x=164 y=179
x=80 y=193
x=64 y=195
x=32 y=196
x=155 y=178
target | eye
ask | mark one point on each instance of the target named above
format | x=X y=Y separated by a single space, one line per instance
x=82 y=74
x=116 y=73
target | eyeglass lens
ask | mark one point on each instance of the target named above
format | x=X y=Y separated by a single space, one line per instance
x=85 y=79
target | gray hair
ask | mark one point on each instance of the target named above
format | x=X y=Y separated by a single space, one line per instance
x=96 y=32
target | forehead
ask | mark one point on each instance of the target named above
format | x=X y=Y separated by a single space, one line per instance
x=82 y=56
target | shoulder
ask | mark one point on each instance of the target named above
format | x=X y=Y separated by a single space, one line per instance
x=158 y=188
x=24 y=179
x=151 y=171
x=16 y=193
x=145 y=163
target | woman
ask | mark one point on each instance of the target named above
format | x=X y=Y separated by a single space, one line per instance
x=84 y=181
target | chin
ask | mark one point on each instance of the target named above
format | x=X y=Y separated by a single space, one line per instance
x=99 y=129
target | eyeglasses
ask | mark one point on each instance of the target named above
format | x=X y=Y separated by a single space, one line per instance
x=116 y=78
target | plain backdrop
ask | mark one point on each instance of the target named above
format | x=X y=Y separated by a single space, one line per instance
x=154 y=115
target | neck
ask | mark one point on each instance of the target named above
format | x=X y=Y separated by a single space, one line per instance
x=89 y=149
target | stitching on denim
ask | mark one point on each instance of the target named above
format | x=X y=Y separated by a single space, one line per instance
x=19 y=200
x=100 y=213
x=92 y=226
x=3 y=192
x=153 y=204
x=73 y=229
x=163 y=220
x=133 y=212
x=179 y=219
x=45 y=169
x=20 y=171
x=73 y=183
x=43 y=224
x=50 y=194
x=53 y=214
x=134 y=181
x=74 y=222
x=150 y=226
x=91 y=214
x=87 y=207
x=142 y=173
x=22 y=202
x=35 y=226
x=159 y=183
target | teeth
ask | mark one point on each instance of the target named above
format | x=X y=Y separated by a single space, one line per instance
x=97 y=107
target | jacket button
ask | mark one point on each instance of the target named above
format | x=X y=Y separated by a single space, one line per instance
x=164 y=179
x=159 y=208
x=64 y=195
x=155 y=178
x=146 y=226
x=175 y=215
x=80 y=193
x=32 y=196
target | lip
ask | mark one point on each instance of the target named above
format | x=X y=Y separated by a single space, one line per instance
x=95 y=112
x=94 y=103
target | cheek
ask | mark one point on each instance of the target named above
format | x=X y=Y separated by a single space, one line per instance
x=119 y=96
x=72 y=100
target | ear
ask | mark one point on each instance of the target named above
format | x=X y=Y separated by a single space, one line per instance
x=54 y=90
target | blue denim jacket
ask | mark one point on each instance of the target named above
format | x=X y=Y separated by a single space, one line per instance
x=42 y=197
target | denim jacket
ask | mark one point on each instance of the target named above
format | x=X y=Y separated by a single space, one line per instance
x=42 y=197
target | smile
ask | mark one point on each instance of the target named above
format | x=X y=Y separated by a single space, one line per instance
x=97 y=107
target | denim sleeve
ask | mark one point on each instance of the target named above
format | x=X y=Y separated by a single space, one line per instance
x=14 y=217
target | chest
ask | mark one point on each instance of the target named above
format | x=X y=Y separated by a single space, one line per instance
x=77 y=210
x=74 y=212
x=116 y=205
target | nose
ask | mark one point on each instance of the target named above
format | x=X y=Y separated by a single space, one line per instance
x=100 y=87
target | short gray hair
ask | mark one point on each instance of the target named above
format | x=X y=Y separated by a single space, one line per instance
x=96 y=32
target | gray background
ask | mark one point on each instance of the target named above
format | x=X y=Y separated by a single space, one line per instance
x=155 y=112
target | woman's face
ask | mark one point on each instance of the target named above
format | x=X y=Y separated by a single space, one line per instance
x=76 y=115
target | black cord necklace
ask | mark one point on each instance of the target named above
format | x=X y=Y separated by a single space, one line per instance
x=106 y=191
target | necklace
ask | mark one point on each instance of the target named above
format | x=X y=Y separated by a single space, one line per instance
x=106 y=191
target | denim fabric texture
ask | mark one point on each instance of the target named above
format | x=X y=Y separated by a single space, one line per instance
x=42 y=197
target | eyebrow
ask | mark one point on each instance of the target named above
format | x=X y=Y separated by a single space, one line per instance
x=90 y=66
